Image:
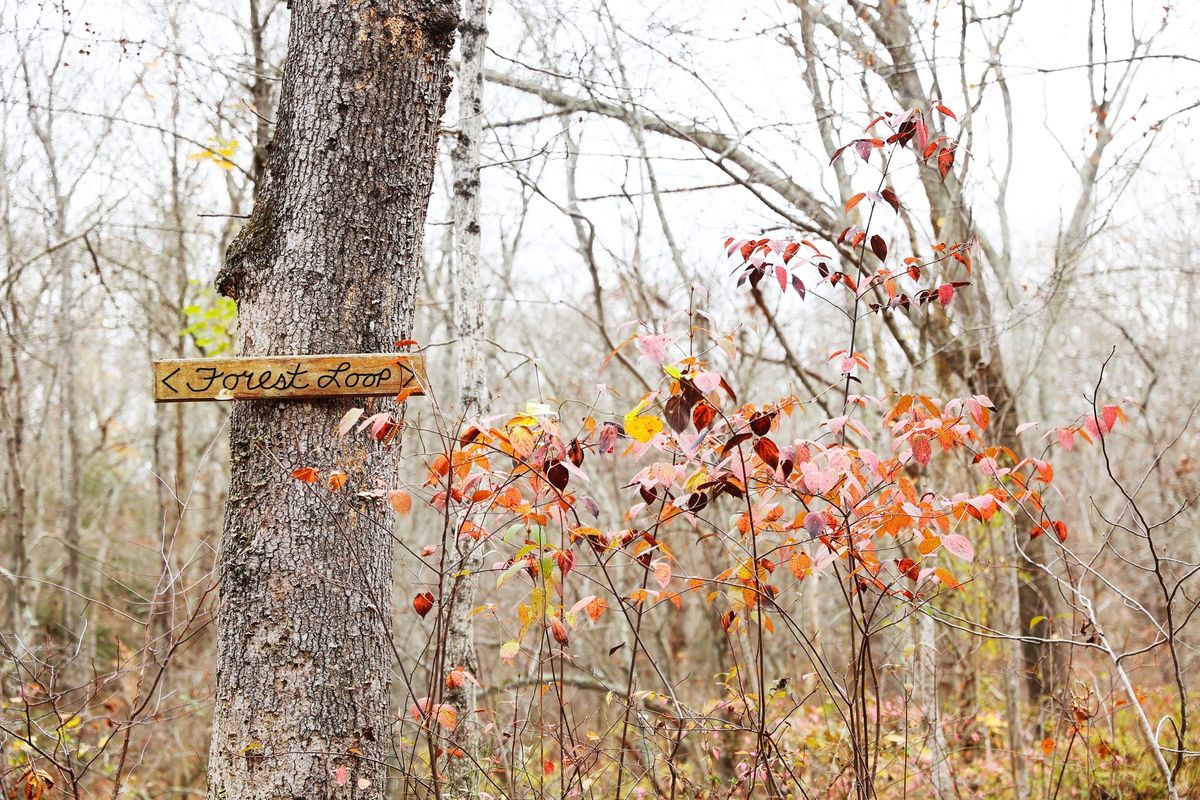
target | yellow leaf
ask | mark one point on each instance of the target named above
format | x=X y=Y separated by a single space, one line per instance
x=643 y=428
x=1035 y=621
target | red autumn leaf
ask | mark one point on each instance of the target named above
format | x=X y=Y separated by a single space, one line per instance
x=306 y=474
x=922 y=451
x=781 y=277
x=946 y=111
x=768 y=451
x=703 y=415
x=945 y=161
x=423 y=603
x=945 y=294
x=559 y=632
x=565 y=560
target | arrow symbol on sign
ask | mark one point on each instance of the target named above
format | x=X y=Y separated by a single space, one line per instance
x=167 y=378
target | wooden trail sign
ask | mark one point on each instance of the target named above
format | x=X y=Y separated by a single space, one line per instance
x=286 y=377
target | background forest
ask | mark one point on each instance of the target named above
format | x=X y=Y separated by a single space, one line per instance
x=668 y=194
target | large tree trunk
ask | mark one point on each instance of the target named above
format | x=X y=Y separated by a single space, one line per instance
x=328 y=262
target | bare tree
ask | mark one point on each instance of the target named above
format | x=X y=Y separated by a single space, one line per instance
x=461 y=660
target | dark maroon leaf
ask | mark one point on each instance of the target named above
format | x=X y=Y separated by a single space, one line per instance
x=677 y=413
x=760 y=423
x=879 y=247
x=558 y=475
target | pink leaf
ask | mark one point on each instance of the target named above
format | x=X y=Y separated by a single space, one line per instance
x=653 y=347
x=959 y=546
x=707 y=381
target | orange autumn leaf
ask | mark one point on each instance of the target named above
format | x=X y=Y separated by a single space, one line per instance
x=929 y=544
x=337 y=480
x=407 y=392
x=401 y=501
x=945 y=577
x=306 y=474
x=596 y=607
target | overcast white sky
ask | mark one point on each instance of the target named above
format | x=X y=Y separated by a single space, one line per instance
x=758 y=82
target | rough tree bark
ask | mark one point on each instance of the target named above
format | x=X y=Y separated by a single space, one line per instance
x=327 y=262
x=472 y=380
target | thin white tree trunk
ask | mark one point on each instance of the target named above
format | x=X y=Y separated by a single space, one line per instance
x=472 y=383
x=927 y=699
